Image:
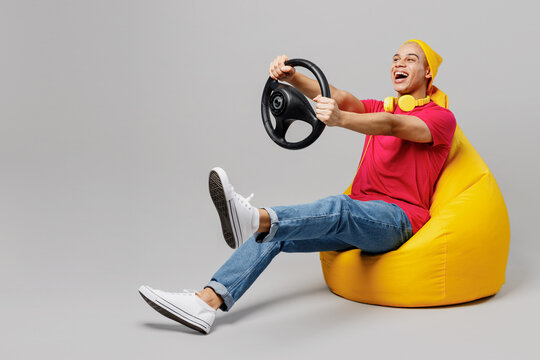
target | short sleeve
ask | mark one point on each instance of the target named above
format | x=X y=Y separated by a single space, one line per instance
x=441 y=123
x=372 y=106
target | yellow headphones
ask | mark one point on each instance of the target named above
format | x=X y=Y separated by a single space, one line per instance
x=405 y=103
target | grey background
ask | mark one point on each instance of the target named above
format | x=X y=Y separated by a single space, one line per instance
x=113 y=112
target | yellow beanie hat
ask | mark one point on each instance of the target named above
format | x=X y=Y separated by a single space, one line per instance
x=434 y=61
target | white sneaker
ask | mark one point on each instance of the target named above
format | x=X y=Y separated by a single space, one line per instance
x=186 y=307
x=239 y=220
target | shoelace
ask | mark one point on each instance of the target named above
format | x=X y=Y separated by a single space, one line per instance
x=242 y=200
x=185 y=292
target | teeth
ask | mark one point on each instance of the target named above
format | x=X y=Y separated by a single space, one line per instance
x=401 y=73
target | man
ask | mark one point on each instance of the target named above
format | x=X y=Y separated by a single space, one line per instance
x=408 y=141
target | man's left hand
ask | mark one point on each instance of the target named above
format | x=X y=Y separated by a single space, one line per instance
x=327 y=111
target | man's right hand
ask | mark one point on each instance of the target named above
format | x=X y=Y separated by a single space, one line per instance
x=279 y=71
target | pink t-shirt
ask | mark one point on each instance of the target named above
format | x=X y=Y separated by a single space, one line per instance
x=403 y=172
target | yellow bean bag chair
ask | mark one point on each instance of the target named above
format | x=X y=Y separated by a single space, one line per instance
x=459 y=255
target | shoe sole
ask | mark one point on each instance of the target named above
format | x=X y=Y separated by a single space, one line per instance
x=217 y=193
x=166 y=309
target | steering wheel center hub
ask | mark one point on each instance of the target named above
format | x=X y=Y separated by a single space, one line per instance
x=278 y=103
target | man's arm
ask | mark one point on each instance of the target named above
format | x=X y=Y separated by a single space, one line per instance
x=406 y=127
x=310 y=87
x=349 y=102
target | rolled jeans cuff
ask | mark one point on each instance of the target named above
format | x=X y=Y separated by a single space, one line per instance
x=222 y=291
x=267 y=236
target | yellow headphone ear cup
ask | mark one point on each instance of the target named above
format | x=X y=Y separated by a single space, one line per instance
x=407 y=102
x=389 y=103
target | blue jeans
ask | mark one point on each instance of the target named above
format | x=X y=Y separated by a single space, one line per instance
x=335 y=223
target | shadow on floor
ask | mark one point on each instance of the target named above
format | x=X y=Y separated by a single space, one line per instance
x=172 y=327
x=234 y=316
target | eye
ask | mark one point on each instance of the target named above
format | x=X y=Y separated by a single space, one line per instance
x=411 y=60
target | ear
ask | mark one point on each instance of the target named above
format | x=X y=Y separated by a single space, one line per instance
x=428 y=73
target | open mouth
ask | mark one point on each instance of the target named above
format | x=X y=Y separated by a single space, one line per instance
x=400 y=75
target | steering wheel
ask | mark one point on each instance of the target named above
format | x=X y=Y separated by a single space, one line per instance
x=288 y=104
